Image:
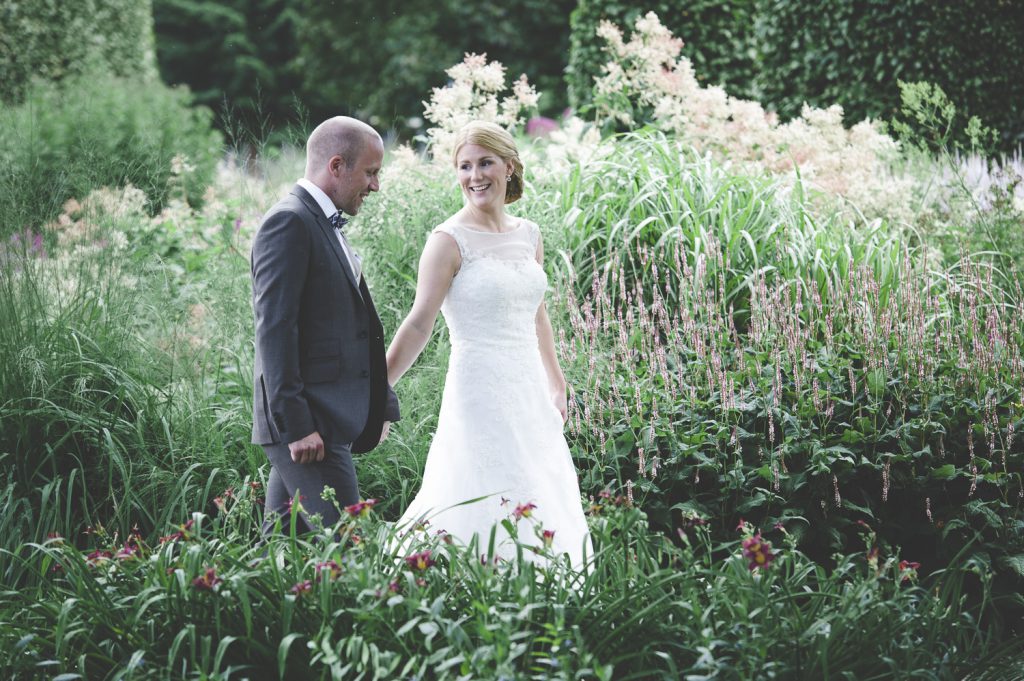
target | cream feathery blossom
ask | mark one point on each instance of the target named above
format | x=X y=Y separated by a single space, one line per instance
x=473 y=94
x=647 y=77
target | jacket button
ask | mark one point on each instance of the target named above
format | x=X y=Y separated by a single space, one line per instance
x=366 y=373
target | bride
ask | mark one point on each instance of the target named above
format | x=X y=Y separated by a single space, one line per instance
x=499 y=438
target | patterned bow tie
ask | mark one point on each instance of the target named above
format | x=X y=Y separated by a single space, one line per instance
x=337 y=221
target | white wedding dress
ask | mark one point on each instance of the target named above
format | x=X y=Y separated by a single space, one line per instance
x=499 y=435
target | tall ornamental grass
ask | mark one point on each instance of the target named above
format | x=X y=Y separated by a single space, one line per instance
x=112 y=410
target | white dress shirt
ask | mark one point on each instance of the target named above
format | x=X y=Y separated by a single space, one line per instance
x=327 y=206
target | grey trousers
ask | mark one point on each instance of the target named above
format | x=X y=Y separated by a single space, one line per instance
x=336 y=471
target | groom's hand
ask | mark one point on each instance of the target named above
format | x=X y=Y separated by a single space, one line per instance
x=384 y=431
x=308 y=449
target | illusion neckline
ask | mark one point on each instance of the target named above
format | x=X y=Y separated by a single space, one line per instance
x=518 y=226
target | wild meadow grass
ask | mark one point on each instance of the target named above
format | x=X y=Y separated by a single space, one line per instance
x=734 y=351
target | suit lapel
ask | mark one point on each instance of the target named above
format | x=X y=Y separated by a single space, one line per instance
x=329 y=234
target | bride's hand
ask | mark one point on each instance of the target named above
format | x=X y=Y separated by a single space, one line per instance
x=558 y=398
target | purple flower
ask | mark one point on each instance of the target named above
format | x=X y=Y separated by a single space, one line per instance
x=207 y=581
x=758 y=552
x=418 y=562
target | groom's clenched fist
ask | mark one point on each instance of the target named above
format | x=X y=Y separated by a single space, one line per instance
x=308 y=449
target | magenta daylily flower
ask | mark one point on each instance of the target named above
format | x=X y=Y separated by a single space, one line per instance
x=97 y=557
x=418 y=562
x=524 y=510
x=329 y=569
x=758 y=552
x=207 y=581
x=360 y=509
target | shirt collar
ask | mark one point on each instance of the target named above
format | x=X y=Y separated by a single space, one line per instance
x=325 y=203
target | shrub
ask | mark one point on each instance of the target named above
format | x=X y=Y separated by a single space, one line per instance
x=732 y=354
x=648 y=81
x=51 y=40
x=717 y=36
x=239 y=54
x=402 y=42
x=855 y=53
x=97 y=130
x=850 y=53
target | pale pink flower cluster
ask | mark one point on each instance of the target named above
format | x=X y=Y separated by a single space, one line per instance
x=97 y=223
x=475 y=94
x=648 y=80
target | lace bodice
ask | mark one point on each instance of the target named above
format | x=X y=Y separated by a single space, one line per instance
x=494 y=297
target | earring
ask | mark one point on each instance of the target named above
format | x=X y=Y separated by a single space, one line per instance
x=508 y=179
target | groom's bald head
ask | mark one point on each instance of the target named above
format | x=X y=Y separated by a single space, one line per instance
x=339 y=136
x=343 y=158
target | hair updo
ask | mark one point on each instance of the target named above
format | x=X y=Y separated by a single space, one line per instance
x=497 y=140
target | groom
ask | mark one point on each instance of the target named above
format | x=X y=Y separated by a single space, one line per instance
x=320 y=380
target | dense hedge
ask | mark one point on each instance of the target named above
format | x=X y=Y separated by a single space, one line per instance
x=717 y=36
x=848 y=52
x=53 y=40
x=853 y=52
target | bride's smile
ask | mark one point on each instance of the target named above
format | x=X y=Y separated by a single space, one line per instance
x=482 y=176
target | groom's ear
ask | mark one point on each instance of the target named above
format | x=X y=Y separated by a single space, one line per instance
x=336 y=164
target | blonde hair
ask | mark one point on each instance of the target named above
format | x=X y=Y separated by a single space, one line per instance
x=497 y=140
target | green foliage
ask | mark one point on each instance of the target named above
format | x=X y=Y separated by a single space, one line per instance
x=717 y=36
x=377 y=60
x=51 y=40
x=770 y=361
x=928 y=120
x=735 y=352
x=239 y=54
x=851 y=52
x=121 y=403
x=854 y=53
x=978 y=219
x=98 y=130
x=206 y=602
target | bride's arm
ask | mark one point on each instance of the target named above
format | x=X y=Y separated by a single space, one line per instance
x=546 y=342
x=438 y=264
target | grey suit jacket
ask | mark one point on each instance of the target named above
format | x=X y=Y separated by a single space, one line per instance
x=320 y=363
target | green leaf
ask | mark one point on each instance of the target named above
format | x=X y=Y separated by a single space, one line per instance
x=947 y=472
x=1014 y=563
x=282 y=652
